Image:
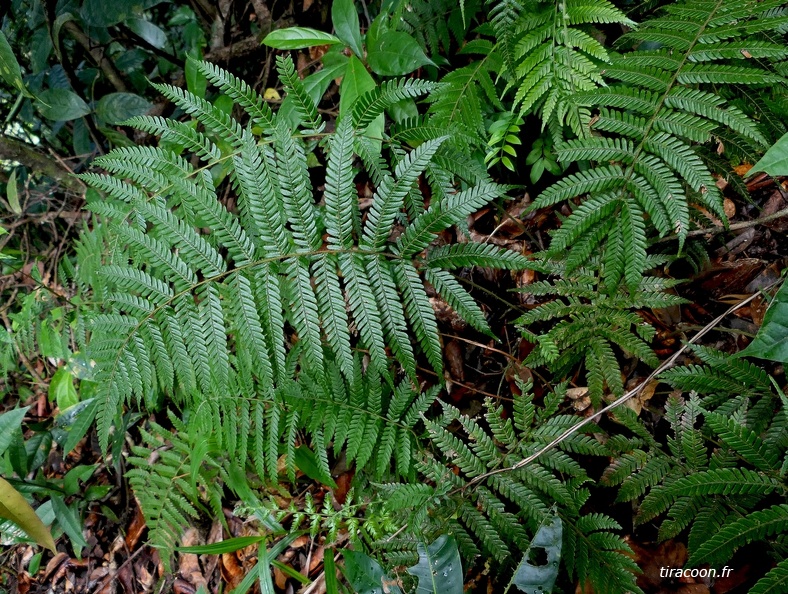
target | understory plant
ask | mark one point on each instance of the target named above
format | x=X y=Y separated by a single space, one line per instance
x=259 y=288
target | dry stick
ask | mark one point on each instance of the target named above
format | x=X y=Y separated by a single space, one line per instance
x=666 y=365
x=734 y=227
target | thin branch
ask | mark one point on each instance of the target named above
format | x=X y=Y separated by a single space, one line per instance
x=16 y=150
x=734 y=227
x=104 y=63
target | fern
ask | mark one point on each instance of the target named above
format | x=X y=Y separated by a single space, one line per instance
x=727 y=498
x=172 y=474
x=557 y=56
x=498 y=511
x=278 y=272
x=650 y=119
x=590 y=323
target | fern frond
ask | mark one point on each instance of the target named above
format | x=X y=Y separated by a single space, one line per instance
x=755 y=526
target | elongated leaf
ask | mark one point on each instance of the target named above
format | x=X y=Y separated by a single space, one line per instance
x=71 y=524
x=771 y=341
x=345 y=19
x=540 y=579
x=775 y=161
x=298 y=38
x=14 y=507
x=9 y=67
x=225 y=546
x=439 y=568
x=367 y=576
x=12 y=194
x=9 y=423
x=61 y=389
x=118 y=107
x=62 y=105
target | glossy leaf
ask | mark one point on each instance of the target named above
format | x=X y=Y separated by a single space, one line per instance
x=78 y=420
x=298 y=38
x=439 y=568
x=69 y=520
x=148 y=31
x=395 y=53
x=775 y=161
x=14 y=507
x=62 y=105
x=540 y=579
x=61 y=389
x=367 y=576
x=9 y=67
x=345 y=19
x=771 y=341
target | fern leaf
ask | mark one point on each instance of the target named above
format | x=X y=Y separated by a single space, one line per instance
x=755 y=526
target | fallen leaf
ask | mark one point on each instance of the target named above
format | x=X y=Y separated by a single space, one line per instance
x=453 y=352
x=741 y=170
x=135 y=529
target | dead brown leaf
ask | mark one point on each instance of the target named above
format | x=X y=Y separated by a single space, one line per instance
x=135 y=529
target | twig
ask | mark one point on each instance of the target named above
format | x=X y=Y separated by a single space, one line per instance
x=734 y=227
x=618 y=402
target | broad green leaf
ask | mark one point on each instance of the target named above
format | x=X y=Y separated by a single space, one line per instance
x=540 y=579
x=62 y=105
x=71 y=524
x=298 y=38
x=355 y=83
x=345 y=19
x=12 y=194
x=226 y=546
x=73 y=477
x=104 y=13
x=14 y=507
x=196 y=83
x=367 y=576
x=78 y=419
x=439 y=568
x=115 y=108
x=775 y=161
x=148 y=31
x=61 y=389
x=395 y=53
x=771 y=342
x=9 y=67
x=9 y=423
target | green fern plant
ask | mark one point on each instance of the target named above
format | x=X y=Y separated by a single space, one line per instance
x=184 y=307
x=290 y=321
x=468 y=492
x=659 y=106
x=556 y=56
x=174 y=476
x=727 y=497
x=591 y=320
